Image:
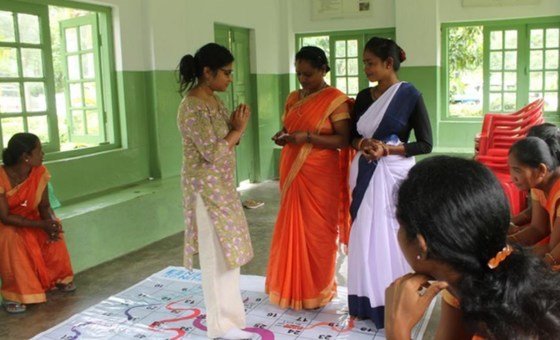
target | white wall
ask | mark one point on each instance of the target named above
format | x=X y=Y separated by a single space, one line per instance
x=453 y=11
x=383 y=15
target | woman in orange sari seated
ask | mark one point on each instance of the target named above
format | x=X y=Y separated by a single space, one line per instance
x=534 y=164
x=313 y=177
x=33 y=254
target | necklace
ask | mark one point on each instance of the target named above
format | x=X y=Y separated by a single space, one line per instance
x=304 y=93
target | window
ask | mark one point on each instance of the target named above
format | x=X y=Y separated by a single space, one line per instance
x=344 y=50
x=500 y=66
x=55 y=75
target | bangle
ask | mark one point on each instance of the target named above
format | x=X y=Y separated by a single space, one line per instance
x=513 y=225
x=360 y=142
x=552 y=259
x=385 y=150
x=308 y=138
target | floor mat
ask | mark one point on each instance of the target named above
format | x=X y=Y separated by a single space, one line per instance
x=170 y=305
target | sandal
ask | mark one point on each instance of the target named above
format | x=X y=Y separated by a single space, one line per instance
x=66 y=288
x=252 y=204
x=13 y=307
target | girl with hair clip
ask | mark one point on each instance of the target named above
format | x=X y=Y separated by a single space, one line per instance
x=453 y=218
x=214 y=218
x=534 y=165
x=383 y=118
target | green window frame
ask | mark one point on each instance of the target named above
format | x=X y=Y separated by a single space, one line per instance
x=520 y=64
x=344 y=50
x=88 y=77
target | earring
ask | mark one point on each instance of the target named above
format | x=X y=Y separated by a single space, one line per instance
x=27 y=160
x=418 y=257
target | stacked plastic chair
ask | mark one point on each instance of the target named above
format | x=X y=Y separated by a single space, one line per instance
x=499 y=132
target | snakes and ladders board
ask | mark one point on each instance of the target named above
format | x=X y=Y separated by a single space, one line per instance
x=170 y=305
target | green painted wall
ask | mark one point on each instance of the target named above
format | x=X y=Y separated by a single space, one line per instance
x=79 y=177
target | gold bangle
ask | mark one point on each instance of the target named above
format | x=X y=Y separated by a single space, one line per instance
x=549 y=255
x=360 y=144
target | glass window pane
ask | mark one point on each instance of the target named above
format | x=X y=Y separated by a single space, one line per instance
x=71 y=35
x=537 y=38
x=496 y=60
x=10 y=98
x=551 y=81
x=551 y=101
x=353 y=85
x=78 y=122
x=32 y=62
x=88 y=70
x=8 y=62
x=510 y=62
x=495 y=101
x=551 y=59
x=340 y=49
x=353 y=68
x=318 y=41
x=11 y=126
x=35 y=100
x=90 y=94
x=534 y=96
x=86 y=40
x=552 y=37
x=92 y=121
x=28 y=26
x=74 y=67
x=341 y=84
x=509 y=101
x=39 y=125
x=496 y=40
x=495 y=81
x=7 y=33
x=511 y=39
x=352 y=48
x=510 y=81
x=536 y=81
x=536 y=60
x=76 y=95
x=340 y=67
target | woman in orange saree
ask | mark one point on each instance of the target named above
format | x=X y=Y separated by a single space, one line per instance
x=314 y=206
x=33 y=254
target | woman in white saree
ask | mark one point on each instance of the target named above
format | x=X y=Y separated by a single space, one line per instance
x=383 y=118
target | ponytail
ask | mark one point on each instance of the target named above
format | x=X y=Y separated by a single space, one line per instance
x=533 y=151
x=191 y=68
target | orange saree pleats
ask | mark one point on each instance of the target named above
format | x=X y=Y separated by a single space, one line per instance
x=302 y=260
x=30 y=264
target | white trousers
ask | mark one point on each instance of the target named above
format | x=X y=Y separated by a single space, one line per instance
x=220 y=285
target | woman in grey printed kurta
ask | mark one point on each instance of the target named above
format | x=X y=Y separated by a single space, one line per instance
x=208 y=170
x=214 y=219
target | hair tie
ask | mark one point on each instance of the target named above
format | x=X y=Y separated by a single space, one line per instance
x=500 y=256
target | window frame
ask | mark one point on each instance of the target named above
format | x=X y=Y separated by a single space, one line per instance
x=107 y=75
x=523 y=26
x=362 y=35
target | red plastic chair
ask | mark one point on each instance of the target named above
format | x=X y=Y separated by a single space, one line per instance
x=499 y=133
